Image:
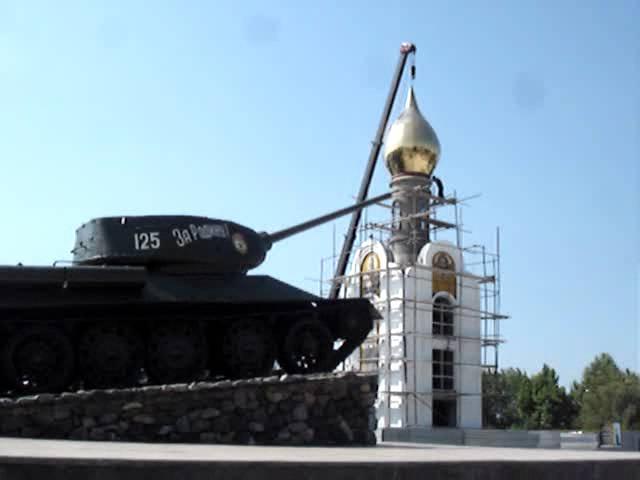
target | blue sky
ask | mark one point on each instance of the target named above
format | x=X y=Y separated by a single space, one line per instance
x=263 y=113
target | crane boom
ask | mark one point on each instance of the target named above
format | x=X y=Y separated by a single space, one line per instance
x=405 y=50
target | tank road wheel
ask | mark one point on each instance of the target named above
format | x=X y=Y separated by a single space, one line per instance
x=177 y=352
x=248 y=350
x=38 y=359
x=307 y=347
x=109 y=356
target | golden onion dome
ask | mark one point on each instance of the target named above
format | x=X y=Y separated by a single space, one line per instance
x=411 y=146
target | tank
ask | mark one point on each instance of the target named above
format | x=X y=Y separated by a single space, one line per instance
x=166 y=299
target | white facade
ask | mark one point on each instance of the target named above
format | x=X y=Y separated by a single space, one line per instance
x=401 y=346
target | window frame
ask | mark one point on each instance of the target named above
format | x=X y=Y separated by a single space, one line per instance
x=443 y=318
x=443 y=361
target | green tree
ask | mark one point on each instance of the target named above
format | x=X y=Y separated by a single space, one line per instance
x=544 y=404
x=500 y=398
x=513 y=400
x=526 y=403
x=607 y=394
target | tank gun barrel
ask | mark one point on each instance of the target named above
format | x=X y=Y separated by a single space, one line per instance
x=301 y=227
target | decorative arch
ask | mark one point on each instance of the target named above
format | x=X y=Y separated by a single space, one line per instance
x=370 y=275
x=368 y=262
x=444 y=274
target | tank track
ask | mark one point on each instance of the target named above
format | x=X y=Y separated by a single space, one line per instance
x=113 y=346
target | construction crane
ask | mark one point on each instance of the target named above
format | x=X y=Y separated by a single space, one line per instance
x=406 y=49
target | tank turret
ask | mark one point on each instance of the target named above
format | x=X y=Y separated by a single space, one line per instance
x=158 y=241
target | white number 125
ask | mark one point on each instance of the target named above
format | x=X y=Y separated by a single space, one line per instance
x=146 y=241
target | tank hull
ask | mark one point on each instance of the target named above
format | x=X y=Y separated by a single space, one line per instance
x=102 y=327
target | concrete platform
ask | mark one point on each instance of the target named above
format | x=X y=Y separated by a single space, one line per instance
x=23 y=459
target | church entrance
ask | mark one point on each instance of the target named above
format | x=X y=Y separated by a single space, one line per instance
x=444 y=413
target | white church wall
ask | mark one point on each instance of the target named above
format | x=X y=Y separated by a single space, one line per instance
x=392 y=352
x=405 y=339
x=418 y=315
x=470 y=356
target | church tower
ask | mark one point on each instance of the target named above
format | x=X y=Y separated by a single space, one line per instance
x=428 y=346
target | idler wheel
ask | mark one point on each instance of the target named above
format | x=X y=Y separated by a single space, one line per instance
x=109 y=356
x=177 y=352
x=38 y=359
x=248 y=350
x=307 y=347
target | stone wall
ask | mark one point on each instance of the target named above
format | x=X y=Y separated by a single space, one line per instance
x=318 y=409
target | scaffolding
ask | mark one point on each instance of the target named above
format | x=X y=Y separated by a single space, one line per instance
x=480 y=270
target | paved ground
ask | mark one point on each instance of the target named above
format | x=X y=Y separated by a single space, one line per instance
x=54 y=450
x=70 y=460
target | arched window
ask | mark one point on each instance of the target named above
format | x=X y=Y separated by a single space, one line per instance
x=442 y=317
x=370 y=275
x=444 y=274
